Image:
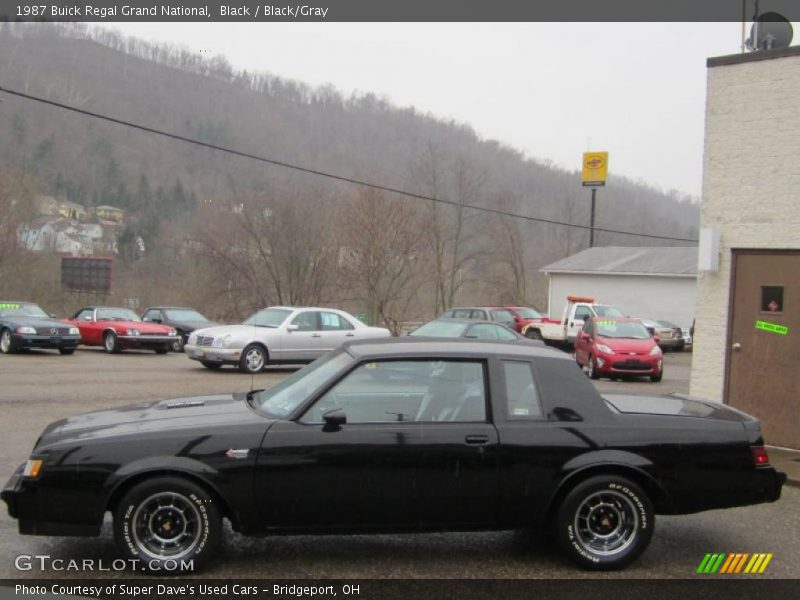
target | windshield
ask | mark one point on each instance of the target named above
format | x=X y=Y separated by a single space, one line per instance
x=440 y=329
x=14 y=309
x=528 y=313
x=667 y=324
x=621 y=329
x=280 y=400
x=184 y=314
x=116 y=314
x=607 y=311
x=269 y=317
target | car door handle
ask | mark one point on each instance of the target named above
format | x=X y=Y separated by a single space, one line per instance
x=476 y=440
x=350 y=334
x=315 y=335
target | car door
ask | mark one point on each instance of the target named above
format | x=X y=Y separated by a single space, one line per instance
x=301 y=339
x=335 y=330
x=576 y=322
x=417 y=450
x=86 y=324
x=583 y=343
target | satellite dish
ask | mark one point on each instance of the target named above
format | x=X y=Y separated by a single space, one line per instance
x=769 y=31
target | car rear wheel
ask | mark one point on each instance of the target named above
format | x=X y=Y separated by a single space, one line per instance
x=592 y=368
x=210 y=365
x=167 y=521
x=605 y=523
x=253 y=359
x=110 y=342
x=6 y=345
x=66 y=350
x=177 y=345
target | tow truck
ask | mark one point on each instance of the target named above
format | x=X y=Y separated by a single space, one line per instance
x=562 y=333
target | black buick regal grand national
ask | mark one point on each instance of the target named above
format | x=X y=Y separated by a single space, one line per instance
x=396 y=435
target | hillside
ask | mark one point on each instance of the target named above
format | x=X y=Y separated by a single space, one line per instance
x=168 y=186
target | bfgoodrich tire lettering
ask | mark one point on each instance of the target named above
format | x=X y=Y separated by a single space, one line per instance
x=167 y=520
x=605 y=523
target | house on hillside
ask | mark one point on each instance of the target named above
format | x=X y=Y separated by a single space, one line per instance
x=648 y=282
x=747 y=337
x=109 y=213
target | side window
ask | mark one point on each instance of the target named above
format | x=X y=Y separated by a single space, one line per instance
x=85 y=315
x=448 y=314
x=522 y=397
x=333 y=322
x=306 y=321
x=407 y=391
x=587 y=327
x=479 y=314
x=483 y=331
x=583 y=313
x=152 y=314
x=460 y=313
x=505 y=335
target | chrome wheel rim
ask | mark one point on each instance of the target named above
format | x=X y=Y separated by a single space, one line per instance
x=590 y=366
x=177 y=345
x=5 y=341
x=110 y=342
x=606 y=523
x=254 y=359
x=166 y=525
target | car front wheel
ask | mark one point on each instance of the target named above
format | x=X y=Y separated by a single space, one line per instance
x=605 y=523
x=167 y=522
x=658 y=376
x=592 y=368
x=253 y=359
x=110 y=342
x=6 y=345
x=66 y=351
x=177 y=345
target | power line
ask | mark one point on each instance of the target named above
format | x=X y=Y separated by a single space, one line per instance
x=318 y=173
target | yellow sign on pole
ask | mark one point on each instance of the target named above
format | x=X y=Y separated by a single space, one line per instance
x=595 y=168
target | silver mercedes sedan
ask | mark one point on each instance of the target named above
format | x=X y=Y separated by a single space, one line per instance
x=277 y=335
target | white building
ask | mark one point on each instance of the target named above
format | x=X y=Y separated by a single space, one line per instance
x=747 y=340
x=653 y=282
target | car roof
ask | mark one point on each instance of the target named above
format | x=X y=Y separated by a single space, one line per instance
x=422 y=346
x=457 y=320
x=170 y=308
x=619 y=319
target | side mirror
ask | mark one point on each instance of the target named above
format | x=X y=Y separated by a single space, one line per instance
x=156 y=320
x=292 y=327
x=334 y=419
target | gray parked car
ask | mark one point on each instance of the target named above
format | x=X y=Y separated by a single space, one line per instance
x=278 y=335
x=184 y=320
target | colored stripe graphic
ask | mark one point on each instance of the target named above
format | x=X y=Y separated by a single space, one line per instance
x=726 y=564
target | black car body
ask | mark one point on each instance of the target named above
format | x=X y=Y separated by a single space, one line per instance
x=25 y=325
x=183 y=319
x=396 y=435
x=469 y=329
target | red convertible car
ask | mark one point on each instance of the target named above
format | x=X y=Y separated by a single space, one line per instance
x=120 y=329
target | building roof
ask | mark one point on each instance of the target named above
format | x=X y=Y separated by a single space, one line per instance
x=623 y=260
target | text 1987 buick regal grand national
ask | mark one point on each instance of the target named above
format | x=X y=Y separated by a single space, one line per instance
x=396 y=435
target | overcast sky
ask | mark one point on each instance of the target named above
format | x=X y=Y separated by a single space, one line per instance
x=550 y=90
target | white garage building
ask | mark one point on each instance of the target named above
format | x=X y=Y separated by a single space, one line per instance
x=654 y=283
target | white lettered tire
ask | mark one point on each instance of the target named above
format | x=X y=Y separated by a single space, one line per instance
x=605 y=522
x=168 y=525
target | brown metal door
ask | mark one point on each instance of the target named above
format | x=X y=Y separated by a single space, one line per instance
x=763 y=366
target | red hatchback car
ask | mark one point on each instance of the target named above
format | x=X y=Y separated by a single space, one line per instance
x=617 y=347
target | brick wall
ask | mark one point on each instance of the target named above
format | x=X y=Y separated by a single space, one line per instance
x=751 y=187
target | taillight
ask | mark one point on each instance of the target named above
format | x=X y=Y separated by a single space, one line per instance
x=760 y=456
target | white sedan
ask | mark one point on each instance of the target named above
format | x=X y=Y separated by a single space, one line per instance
x=276 y=335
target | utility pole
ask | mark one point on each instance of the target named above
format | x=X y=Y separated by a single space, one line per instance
x=591 y=224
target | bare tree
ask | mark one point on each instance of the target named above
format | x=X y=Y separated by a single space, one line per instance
x=17 y=208
x=381 y=255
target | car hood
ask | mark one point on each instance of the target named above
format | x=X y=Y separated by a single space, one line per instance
x=192 y=325
x=235 y=330
x=627 y=345
x=34 y=321
x=196 y=412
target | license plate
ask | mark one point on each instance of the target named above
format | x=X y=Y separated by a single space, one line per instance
x=199 y=353
x=55 y=340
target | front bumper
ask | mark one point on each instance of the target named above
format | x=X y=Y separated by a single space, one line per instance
x=213 y=355
x=52 y=342
x=629 y=365
x=24 y=501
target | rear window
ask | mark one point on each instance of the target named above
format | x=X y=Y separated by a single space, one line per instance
x=654 y=405
x=440 y=329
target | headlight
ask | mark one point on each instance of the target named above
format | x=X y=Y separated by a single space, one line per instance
x=656 y=351
x=133 y=332
x=173 y=332
x=193 y=339
x=33 y=467
x=74 y=331
x=604 y=348
x=222 y=342
x=26 y=330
